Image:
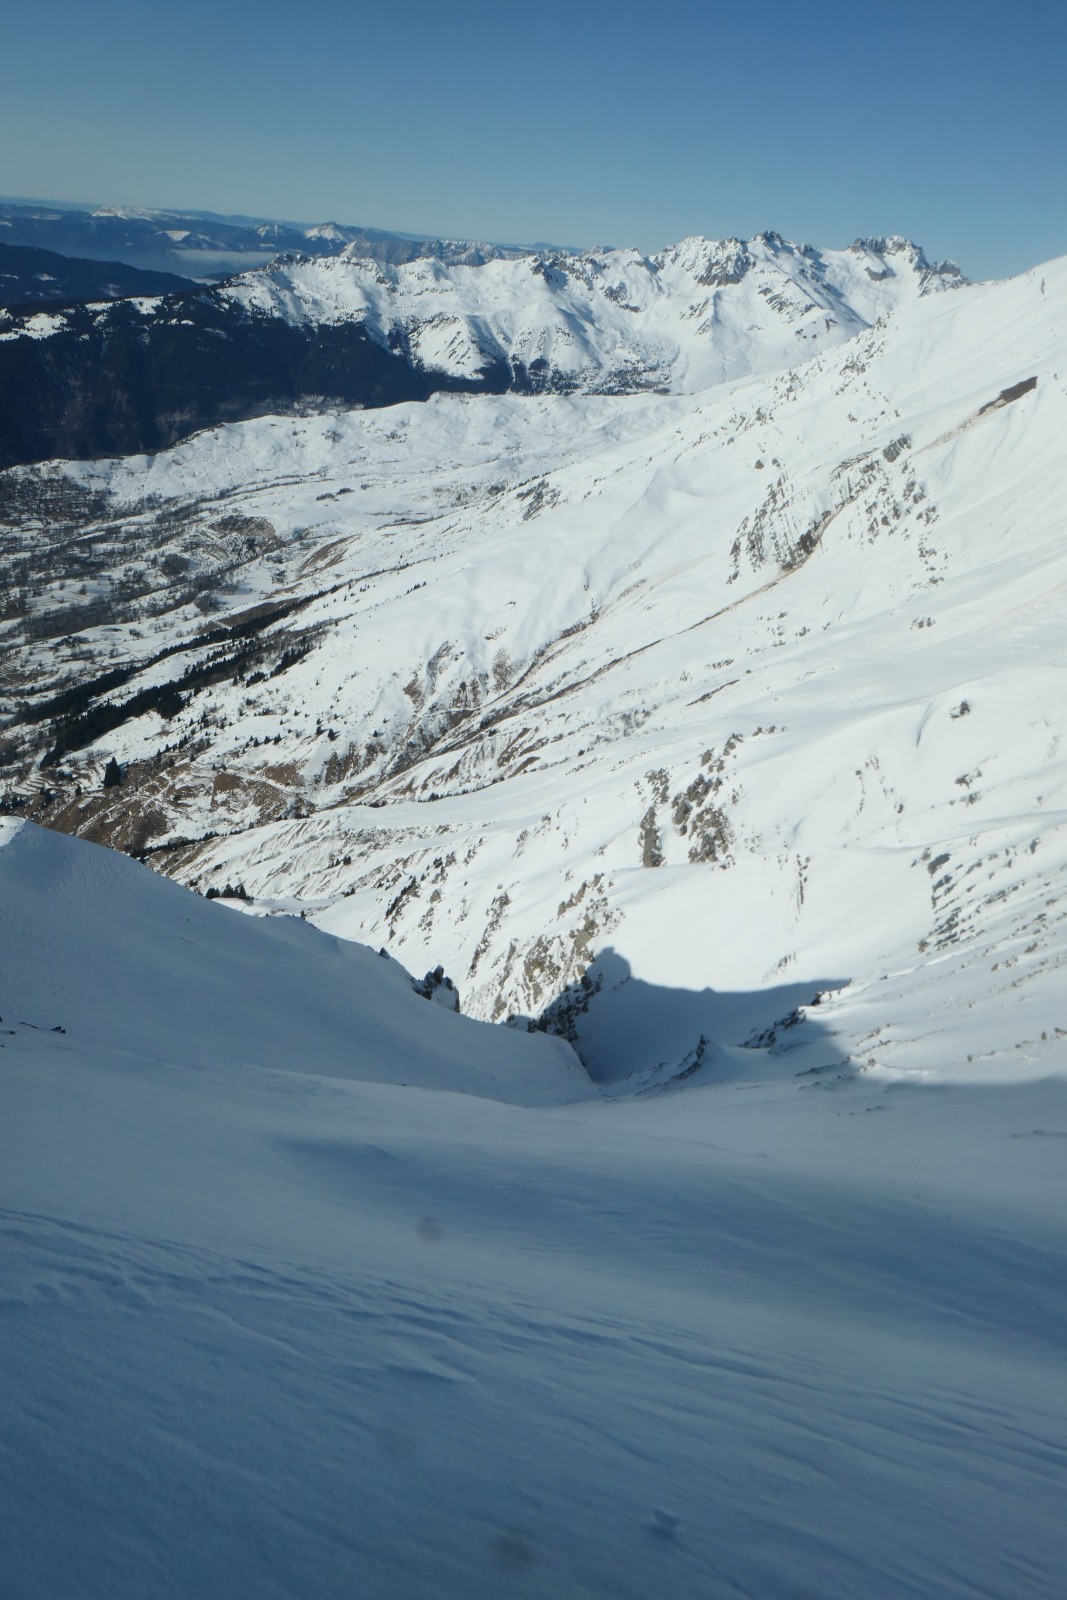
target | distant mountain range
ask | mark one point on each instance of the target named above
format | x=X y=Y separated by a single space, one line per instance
x=307 y=333
x=202 y=245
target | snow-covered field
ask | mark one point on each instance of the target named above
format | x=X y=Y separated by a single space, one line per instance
x=310 y=1288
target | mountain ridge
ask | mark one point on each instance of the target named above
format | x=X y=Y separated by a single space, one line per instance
x=307 y=333
x=206 y=245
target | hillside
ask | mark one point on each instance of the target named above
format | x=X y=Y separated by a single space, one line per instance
x=41 y=277
x=312 y=1289
x=757 y=687
x=136 y=969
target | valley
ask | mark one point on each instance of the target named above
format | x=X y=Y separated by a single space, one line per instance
x=670 y=666
x=505 y=682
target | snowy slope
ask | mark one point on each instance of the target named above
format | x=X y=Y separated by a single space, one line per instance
x=755 y=692
x=187 y=981
x=699 y=313
x=281 y=1318
x=724 y=732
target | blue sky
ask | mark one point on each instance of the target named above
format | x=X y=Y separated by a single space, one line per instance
x=582 y=123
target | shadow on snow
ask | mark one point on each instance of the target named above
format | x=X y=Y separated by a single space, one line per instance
x=626 y=1029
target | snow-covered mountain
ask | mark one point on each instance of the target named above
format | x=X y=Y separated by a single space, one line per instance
x=698 y=313
x=757 y=686
x=719 y=735
x=205 y=245
x=310 y=334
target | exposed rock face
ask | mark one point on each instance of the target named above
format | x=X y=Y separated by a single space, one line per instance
x=437 y=986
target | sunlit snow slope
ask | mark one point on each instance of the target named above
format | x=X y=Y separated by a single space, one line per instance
x=759 y=687
x=309 y=1289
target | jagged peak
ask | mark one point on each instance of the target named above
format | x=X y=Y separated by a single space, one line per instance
x=715 y=263
x=932 y=274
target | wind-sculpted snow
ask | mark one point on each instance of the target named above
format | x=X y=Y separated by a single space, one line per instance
x=281 y=1315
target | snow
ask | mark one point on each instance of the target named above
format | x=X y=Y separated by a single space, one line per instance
x=728 y=728
x=188 y=981
x=41 y=325
x=283 y=1316
x=596 y=705
x=699 y=313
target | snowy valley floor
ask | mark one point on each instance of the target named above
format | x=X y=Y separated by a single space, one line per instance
x=279 y=1317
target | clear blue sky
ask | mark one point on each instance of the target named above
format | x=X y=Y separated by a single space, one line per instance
x=567 y=120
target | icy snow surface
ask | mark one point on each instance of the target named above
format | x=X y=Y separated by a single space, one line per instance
x=282 y=1313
